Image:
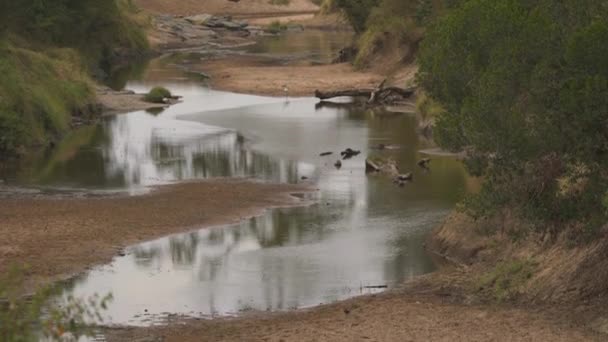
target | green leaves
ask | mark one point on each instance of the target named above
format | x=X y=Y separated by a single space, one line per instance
x=524 y=85
x=27 y=318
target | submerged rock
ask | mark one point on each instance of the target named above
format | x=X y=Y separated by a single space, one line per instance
x=349 y=153
x=424 y=163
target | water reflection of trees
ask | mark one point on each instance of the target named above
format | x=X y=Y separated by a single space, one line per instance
x=183 y=249
x=145 y=257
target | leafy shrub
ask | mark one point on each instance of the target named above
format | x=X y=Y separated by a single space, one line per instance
x=26 y=318
x=524 y=86
x=357 y=12
x=102 y=26
x=38 y=94
x=427 y=108
x=157 y=95
x=47 y=48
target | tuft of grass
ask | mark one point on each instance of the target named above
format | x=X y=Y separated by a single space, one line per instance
x=279 y=2
x=506 y=279
x=157 y=95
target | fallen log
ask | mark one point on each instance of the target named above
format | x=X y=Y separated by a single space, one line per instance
x=324 y=95
x=378 y=95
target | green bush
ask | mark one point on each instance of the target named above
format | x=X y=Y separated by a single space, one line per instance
x=25 y=319
x=524 y=85
x=357 y=12
x=387 y=24
x=426 y=108
x=38 y=94
x=47 y=49
x=95 y=28
x=157 y=95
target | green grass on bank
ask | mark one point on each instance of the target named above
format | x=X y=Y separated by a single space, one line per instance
x=38 y=94
x=505 y=280
x=48 y=49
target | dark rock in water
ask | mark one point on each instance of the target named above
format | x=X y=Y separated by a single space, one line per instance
x=326 y=154
x=424 y=163
x=122 y=254
x=349 y=153
x=338 y=164
x=304 y=178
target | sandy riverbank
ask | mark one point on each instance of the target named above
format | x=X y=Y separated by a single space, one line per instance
x=419 y=312
x=115 y=102
x=253 y=75
x=58 y=237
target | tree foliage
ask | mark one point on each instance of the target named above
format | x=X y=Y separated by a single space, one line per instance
x=47 y=47
x=91 y=26
x=524 y=85
x=24 y=319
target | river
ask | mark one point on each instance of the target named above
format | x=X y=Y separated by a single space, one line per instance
x=363 y=231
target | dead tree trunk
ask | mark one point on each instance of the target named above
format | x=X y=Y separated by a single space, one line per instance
x=379 y=95
x=324 y=95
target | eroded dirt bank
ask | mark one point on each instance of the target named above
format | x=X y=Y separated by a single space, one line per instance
x=58 y=237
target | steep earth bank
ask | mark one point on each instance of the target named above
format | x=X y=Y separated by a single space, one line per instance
x=504 y=260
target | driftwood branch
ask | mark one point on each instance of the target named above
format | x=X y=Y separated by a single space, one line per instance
x=324 y=95
x=378 y=95
x=372 y=97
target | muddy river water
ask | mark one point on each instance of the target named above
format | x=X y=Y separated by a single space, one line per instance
x=362 y=231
